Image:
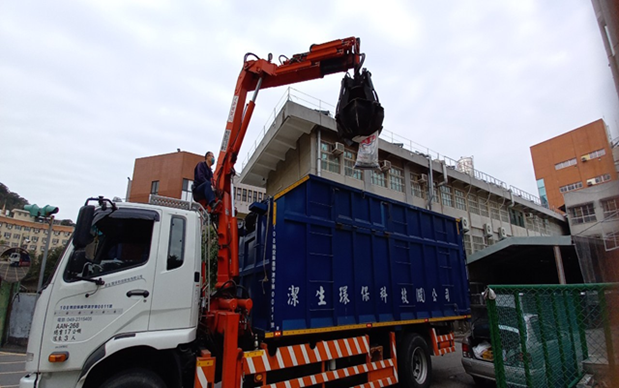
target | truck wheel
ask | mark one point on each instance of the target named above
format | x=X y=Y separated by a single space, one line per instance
x=134 y=378
x=414 y=364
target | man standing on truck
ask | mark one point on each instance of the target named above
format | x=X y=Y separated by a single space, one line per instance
x=202 y=181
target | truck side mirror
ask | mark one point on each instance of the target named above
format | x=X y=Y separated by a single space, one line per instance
x=82 y=236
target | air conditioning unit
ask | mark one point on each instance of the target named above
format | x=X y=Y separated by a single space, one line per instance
x=423 y=178
x=530 y=215
x=385 y=165
x=465 y=224
x=590 y=182
x=488 y=230
x=338 y=149
x=502 y=233
x=585 y=158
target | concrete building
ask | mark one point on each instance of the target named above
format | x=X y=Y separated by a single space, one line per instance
x=302 y=141
x=171 y=175
x=593 y=215
x=572 y=161
x=607 y=15
x=22 y=230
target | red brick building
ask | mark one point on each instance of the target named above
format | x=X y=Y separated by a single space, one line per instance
x=169 y=175
x=574 y=160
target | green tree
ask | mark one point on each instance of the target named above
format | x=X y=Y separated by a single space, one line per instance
x=52 y=258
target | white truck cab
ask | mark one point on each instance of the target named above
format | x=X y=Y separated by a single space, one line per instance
x=125 y=296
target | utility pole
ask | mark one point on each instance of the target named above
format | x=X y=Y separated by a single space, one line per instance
x=49 y=237
x=47 y=212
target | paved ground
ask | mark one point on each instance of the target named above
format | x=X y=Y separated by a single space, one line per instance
x=11 y=368
x=12 y=274
x=448 y=371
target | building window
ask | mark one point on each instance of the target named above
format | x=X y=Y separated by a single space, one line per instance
x=473 y=206
x=611 y=241
x=598 y=179
x=255 y=196
x=33 y=247
x=467 y=244
x=564 y=164
x=238 y=193
x=329 y=162
x=516 y=218
x=16 y=235
x=460 y=200
x=379 y=179
x=571 y=187
x=494 y=210
x=582 y=214
x=611 y=208
x=396 y=179
x=9 y=226
x=244 y=198
x=259 y=196
x=55 y=241
x=186 y=194
x=349 y=165
x=17 y=227
x=541 y=189
x=595 y=154
x=435 y=197
x=27 y=229
x=35 y=239
x=177 y=243
x=7 y=234
x=483 y=208
x=504 y=214
x=64 y=242
x=154 y=187
x=446 y=199
x=478 y=243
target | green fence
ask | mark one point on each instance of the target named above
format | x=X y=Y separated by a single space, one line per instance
x=551 y=335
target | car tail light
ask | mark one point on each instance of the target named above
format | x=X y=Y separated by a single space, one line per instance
x=466 y=351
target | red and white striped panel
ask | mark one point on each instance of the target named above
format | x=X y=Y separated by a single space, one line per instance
x=394 y=355
x=439 y=343
x=324 y=377
x=377 y=384
x=295 y=355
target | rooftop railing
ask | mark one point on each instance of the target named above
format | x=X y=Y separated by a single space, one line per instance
x=304 y=99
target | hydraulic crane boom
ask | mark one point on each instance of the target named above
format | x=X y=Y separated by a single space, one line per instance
x=327 y=58
x=228 y=312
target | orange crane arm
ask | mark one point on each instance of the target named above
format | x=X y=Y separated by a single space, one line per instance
x=327 y=58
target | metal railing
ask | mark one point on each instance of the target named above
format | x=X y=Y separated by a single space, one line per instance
x=299 y=97
x=552 y=335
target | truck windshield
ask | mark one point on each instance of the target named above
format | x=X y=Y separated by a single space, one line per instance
x=119 y=243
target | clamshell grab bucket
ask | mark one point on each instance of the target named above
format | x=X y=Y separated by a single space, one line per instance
x=358 y=113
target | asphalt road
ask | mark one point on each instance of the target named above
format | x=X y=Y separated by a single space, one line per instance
x=12 y=274
x=448 y=371
x=11 y=368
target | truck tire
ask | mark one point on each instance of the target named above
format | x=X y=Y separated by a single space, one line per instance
x=134 y=378
x=414 y=363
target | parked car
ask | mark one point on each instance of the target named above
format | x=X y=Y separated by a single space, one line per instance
x=478 y=358
x=16 y=260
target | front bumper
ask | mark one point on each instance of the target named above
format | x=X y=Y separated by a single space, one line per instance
x=28 y=381
x=484 y=369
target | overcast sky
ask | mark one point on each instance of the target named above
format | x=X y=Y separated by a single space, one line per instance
x=87 y=87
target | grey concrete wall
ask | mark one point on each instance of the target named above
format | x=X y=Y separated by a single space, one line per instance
x=20 y=319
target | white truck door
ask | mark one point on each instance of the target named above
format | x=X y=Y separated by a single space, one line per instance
x=176 y=294
x=82 y=315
